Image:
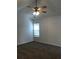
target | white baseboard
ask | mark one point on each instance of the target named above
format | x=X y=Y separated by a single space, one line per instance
x=51 y=43
x=23 y=43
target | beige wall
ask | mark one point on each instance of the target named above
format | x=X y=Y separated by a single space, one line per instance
x=50 y=30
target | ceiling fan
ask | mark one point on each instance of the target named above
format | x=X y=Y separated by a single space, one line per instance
x=37 y=10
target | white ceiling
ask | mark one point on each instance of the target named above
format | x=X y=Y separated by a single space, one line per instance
x=54 y=6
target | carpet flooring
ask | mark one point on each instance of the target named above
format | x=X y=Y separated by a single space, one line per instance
x=36 y=50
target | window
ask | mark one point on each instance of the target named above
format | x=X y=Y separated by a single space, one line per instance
x=36 y=29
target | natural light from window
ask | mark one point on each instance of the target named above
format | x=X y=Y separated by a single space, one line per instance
x=36 y=29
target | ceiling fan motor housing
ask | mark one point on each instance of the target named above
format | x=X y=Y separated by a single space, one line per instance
x=36 y=9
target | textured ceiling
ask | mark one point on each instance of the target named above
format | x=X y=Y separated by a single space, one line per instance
x=54 y=6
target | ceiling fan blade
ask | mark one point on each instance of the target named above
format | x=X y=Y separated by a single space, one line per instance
x=29 y=6
x=44 y=11
x=44 y=7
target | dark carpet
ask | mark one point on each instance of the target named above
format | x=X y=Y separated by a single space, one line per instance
x=36 y=50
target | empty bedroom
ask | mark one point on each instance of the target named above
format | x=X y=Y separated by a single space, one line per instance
x=38 y=29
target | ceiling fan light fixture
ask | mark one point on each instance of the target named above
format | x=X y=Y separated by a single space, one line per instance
x=36 y=13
